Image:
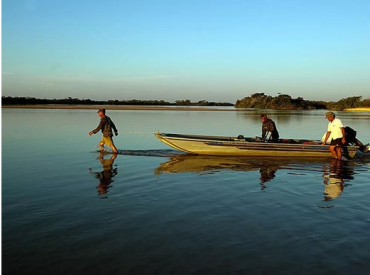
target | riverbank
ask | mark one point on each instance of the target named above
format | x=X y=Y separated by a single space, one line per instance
x=360 y=109
x=123 y=107
x=145 y=107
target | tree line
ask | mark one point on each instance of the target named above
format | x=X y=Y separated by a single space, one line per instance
x=7 y=100
x=286 y=102
x=257 y=100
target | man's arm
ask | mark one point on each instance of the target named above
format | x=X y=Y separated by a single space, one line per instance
x=326 y=137
x=113 y=126
x=271 y=126
x=100 y=126
x=344 y=135
x=263 y=131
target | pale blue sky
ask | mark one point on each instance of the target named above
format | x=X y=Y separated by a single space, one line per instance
x=190 y=49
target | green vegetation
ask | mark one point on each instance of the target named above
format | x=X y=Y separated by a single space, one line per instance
x=257 y=100
x=286 y=102
x=75 y=101
x=349 y=102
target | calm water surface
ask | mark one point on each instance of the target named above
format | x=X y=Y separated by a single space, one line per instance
x=67 y=209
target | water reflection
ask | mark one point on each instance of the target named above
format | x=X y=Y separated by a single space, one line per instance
x=105 y=177
x=334 y=176
x=335 y=172
x=199 y=164
x=210 y=164
x=267 y=173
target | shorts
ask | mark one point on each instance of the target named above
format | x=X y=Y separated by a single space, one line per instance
x=107 y=141
x=337 y=142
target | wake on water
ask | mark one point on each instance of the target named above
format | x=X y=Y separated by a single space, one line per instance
x=146 y=153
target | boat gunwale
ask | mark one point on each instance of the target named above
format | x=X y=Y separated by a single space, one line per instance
x=234 y=141
x=213 y=146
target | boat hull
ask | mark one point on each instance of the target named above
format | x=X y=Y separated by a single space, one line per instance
x=232 y=146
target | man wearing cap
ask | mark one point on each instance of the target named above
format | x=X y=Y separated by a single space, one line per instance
x=336 y=130
x=106 y=125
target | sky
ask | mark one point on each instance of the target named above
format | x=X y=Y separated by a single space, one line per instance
x=171 y=50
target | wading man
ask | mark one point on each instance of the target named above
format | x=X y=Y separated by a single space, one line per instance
x=336 y=130
x=106 y=126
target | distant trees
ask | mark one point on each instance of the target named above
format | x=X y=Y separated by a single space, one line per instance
x=286 y=102
x=7 y=100
x=366 y=103
x=256 y=100
x=207 y=103
x=349 y=102
x=282 y=102
x=185 y=102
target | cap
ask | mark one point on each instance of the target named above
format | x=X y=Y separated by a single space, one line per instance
x=101 y=110
x=328 y=114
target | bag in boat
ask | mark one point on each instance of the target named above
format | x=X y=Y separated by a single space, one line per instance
x=329 y=139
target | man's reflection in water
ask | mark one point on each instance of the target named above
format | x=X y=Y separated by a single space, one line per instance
x=267 y=174
x=334 y=179
x=105 y=176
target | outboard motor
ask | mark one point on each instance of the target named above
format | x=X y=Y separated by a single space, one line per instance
x=350 y=135
x=352 y=140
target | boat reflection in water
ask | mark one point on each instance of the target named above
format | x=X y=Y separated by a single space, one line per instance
x=335 y=171
x=186 y=163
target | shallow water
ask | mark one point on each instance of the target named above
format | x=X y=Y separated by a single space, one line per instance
x=153 y=210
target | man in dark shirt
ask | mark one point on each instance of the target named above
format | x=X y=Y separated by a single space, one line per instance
x=269 y=130
x=106 y=125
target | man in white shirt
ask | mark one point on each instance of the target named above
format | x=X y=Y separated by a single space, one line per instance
x=336 y=130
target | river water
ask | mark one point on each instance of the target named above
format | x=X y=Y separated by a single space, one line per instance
x=67 y=209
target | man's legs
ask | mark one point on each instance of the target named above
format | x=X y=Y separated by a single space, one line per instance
x=108 y=141
x=101 y=146
x=339 y=152
x=336 y=148
x=114 y=148
x=333 y=151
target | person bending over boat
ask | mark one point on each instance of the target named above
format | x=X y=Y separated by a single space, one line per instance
x=106 y=125
x=269 y=130
x=338 y=135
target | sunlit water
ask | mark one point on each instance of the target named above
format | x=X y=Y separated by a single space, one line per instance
x=67 y=209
